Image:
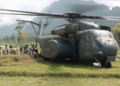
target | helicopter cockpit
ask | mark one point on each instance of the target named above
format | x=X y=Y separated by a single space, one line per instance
x=105 y=42
x=97 y=43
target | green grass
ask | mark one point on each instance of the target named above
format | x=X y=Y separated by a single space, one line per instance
x=23 y=70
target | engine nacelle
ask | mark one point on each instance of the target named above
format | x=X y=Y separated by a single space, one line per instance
x=59 y=49
x=63 y=30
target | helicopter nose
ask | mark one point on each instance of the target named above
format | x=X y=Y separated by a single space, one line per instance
x=109 y=48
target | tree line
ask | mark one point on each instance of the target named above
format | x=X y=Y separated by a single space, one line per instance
x=116 y=32
x=21 y=36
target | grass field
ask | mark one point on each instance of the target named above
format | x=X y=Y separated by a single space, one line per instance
x=23 y=70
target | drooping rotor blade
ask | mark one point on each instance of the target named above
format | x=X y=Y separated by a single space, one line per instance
x=29 y=22
x=103 y=17
x=40 y=14
x=80 y=16
x=19 y=12
x=33 y=23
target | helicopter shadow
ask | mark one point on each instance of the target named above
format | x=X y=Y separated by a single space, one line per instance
x=70 y=63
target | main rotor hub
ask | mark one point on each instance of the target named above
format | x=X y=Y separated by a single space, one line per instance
x=73 y=15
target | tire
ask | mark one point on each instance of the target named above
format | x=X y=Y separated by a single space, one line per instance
x=106 y=64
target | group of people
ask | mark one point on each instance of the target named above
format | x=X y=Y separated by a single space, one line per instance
x=5 y=49
x=31 y=49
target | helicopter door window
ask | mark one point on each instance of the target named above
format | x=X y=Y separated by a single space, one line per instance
x=87 y=39
x=82 y=37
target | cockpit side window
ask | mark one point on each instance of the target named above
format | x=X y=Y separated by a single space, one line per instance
x=82 y=37
x=107 y=35
x=110 y=35
x=102 y=34
x=87 y=38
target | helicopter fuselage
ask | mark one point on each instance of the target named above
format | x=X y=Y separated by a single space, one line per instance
x=69 y=41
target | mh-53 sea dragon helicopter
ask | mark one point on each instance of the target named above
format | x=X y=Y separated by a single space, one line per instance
x=77 y=39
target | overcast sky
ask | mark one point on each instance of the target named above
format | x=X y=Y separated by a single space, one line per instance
x=109 y=3
x=37 y=5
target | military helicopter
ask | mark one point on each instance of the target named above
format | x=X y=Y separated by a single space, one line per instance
x=77 y=39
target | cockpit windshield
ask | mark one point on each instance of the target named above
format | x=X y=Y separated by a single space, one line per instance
x=105 y=34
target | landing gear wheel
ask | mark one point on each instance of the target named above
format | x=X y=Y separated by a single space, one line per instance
x=46 y=59
x=106 y=64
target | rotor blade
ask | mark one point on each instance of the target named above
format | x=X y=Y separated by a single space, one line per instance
x=20 y=11
x=80 y=16
x=31 y=13
x=114 y=17
x=29 y=22
x=18 y=14
x=101 y=18
x=42 y=14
